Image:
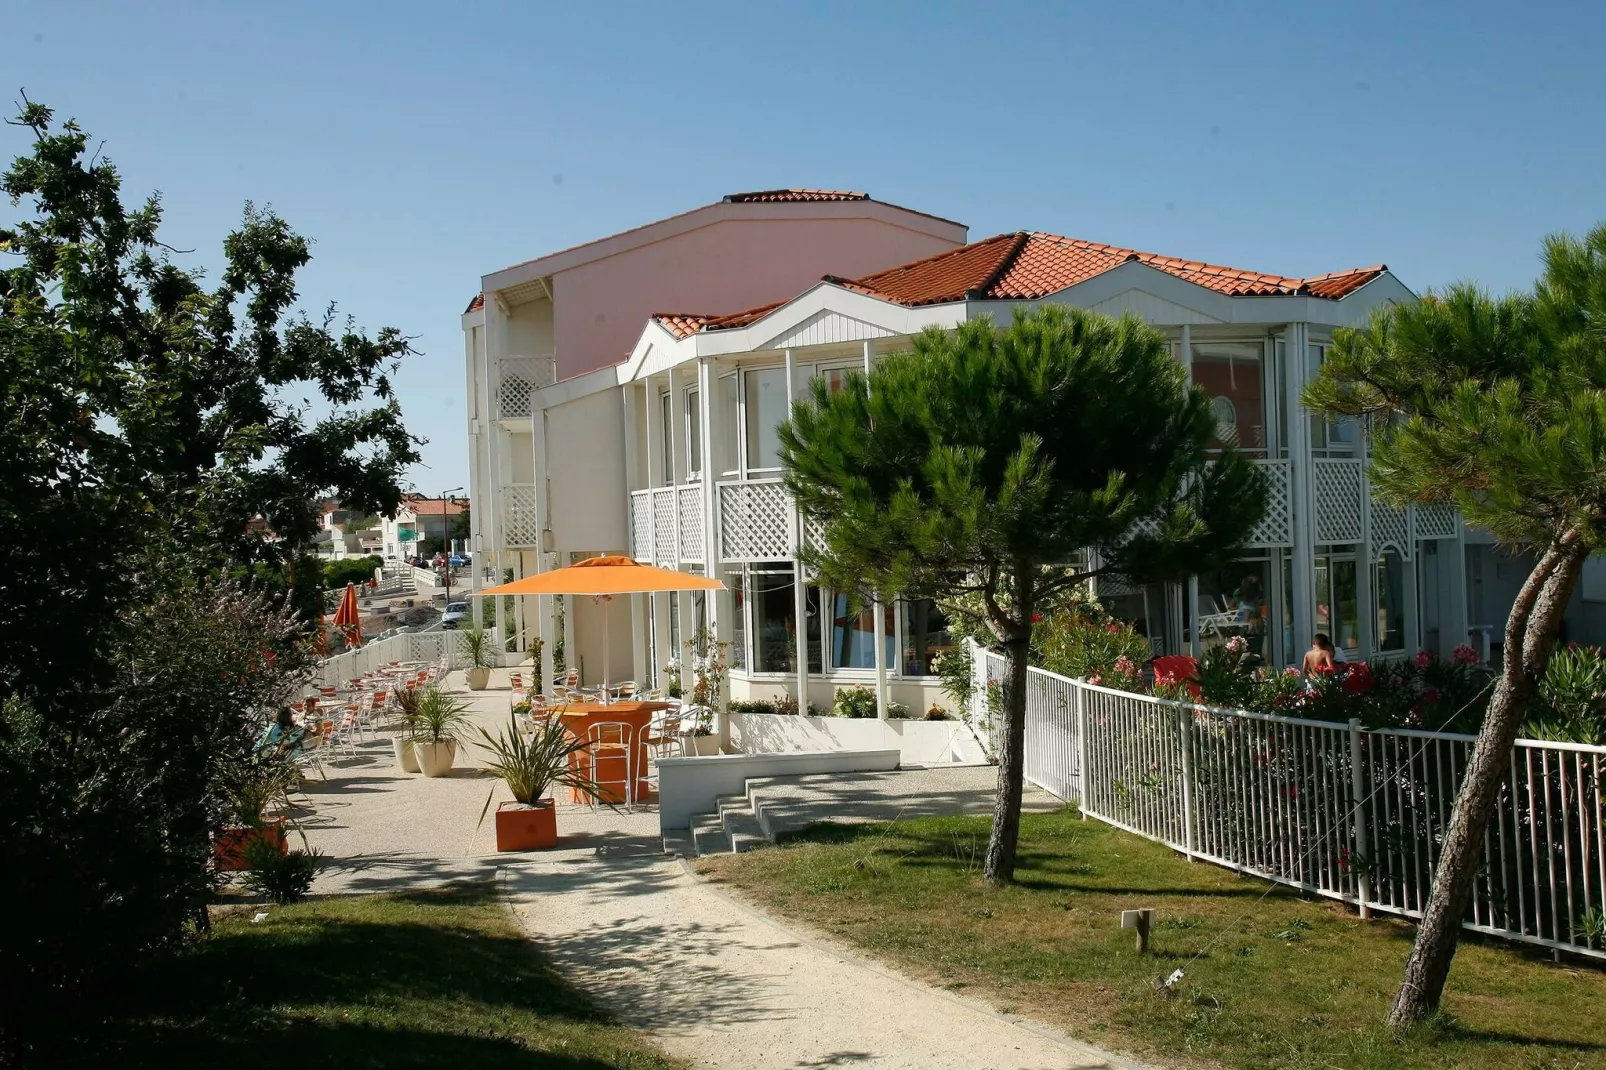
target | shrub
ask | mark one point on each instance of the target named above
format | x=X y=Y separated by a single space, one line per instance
x=897 y=711
x=759 y=705
x=358 y=570
x=856 y=701
x=1572 y=698
x=283 y=878
x=937 y=713
x=1082 y=641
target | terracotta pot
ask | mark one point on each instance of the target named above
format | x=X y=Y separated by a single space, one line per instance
x=435 y=759
x=521 y=827
x=230 y=844
x=478 y=677
x=406 y=757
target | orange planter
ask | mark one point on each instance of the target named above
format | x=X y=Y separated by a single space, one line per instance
x=229 y=847
x=526 y=828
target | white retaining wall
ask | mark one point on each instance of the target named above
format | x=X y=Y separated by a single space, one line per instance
x=917 y=742
x=689 y=786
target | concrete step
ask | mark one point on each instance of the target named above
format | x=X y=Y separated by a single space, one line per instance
x=679 y=842
x=740 y=823
x=708 y=835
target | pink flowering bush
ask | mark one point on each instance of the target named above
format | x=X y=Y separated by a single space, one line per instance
x=1082 y=641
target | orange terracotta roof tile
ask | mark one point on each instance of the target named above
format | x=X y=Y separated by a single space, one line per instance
x=774 y=196
x=685 y=324
x=476 y=304
x=1025 y=266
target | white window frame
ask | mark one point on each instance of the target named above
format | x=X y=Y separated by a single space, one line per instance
x=693 y=436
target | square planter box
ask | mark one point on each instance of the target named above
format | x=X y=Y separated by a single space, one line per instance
x=526 y=828
x=229 y=847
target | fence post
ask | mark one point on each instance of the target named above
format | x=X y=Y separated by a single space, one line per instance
x=1357 y=790
x=1185 y=738
x=1081 y=748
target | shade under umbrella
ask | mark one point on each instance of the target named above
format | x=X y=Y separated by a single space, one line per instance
x=347 y=618
x=602 y=578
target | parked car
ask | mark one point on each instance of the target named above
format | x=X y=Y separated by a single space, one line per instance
x=459 y=560
x=454 y=615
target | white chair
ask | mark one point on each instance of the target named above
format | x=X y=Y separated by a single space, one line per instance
x=662 y=739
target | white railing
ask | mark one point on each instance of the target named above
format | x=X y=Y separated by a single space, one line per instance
x=755 y=521
x=520 y=378
x=666 y=524
x=1334 y=809
x=409 y=646
x=520 y=518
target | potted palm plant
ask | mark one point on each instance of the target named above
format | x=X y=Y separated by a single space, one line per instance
x=250 y=789
x=477 y=645
x=407 y=700
x=530 y=765
x=436 y=727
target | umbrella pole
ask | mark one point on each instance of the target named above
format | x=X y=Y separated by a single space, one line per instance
x=603 y=600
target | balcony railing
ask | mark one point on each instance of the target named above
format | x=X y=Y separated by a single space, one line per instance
x=666 y=525
x=520 y=526
x=518 y=379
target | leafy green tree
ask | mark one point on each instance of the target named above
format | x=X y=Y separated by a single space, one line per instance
x=1012 y=465
x=160 y=436
x=1496 y=405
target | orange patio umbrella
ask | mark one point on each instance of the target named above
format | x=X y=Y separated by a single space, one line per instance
x=601 y=578
x=347 y=619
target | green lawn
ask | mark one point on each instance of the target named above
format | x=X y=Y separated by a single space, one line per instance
x=440 y=979
x=1278 y=981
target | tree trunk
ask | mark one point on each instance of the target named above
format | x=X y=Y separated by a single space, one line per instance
x=1531 y=633
x=999 y=865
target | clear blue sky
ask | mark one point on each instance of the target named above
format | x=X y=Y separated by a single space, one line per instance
x=422 y=146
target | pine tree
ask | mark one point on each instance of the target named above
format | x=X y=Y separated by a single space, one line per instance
x=1014 y=464
x=1498 y=407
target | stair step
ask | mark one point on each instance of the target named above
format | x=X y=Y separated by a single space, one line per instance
x=679 y=842
x=708 y=835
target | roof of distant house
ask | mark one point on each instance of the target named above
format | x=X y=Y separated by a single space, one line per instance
x=422 y=506
x=1027 y=265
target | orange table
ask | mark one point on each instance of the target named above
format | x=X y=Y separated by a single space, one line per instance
x=578 y=717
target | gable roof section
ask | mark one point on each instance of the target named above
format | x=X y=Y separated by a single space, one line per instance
x=476 y=304
x=686 y=324
x=1025 y=266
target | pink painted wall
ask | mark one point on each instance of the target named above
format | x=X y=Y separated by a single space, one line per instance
x=601 y=307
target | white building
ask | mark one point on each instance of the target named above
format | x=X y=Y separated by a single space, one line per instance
x=671 y=456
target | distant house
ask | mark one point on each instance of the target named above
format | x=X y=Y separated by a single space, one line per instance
x=419 y=519
x=344 y=533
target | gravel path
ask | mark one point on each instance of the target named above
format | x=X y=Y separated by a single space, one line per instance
x=708 y=978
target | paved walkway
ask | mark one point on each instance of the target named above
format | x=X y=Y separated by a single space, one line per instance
x=708 y=978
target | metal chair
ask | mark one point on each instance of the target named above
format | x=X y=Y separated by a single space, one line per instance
x=612 y=740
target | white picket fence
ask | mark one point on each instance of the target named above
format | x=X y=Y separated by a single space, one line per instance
x=1334 y=809
x=408 y=646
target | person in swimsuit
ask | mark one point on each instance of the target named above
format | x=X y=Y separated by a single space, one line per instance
x=1319 y=658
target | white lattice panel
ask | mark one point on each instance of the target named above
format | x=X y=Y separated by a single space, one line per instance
x=1435 y=521
x=691 y=523
x=1338 y=500
x=520 y=378
x=1391 y=529
x=519 y=522
x=663 y=526
x=755 y=521
x=1276 y=528
x=640 y=525
x=814 y=531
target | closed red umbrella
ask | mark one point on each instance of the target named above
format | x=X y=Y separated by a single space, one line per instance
x=347 y=619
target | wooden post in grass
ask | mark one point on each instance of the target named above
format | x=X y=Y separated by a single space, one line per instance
x=1141 y=920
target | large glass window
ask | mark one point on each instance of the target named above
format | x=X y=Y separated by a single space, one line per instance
x=666 y=430
x=1142 y=607
x=774 y=625
x=1232 y=374
x=925 y=635
x=679 y=651
x=1388 y=586
x=694 y=435
x=1235 y=600
x=1326 y=438
x=853 y=635
x=735 y=581
x=765 y=404
x=727 y=419
x=1337 y=605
